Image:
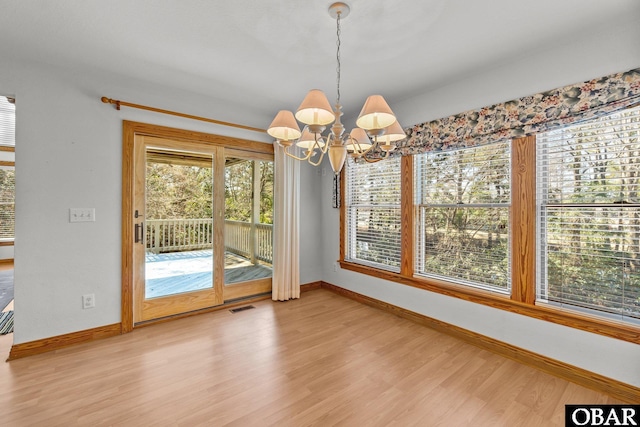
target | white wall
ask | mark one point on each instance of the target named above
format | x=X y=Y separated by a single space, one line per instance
x=602 y=54
x=6 y=252
x=310 y=231
x=69 y=151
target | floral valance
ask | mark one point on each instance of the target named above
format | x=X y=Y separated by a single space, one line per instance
x=525 y=116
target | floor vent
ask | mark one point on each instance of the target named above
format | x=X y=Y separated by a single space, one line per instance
x=246 y=307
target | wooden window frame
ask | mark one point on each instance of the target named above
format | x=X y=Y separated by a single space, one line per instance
x=523 y=254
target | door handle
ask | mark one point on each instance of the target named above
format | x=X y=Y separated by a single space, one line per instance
x=139 y=233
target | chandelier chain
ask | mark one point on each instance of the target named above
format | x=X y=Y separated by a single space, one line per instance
x=338 y=58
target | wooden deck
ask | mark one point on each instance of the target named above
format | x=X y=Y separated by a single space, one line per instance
x=178 y=272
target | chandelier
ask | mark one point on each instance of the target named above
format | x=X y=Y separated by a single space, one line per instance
x=377 y=127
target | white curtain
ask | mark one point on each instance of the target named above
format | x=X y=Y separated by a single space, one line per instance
x=286 y=269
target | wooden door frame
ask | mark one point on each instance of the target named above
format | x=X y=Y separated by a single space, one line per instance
x=129 y=132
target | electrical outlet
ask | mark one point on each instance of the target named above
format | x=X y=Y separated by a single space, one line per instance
x=335 y=266
x=82 y=214
x=88 y=301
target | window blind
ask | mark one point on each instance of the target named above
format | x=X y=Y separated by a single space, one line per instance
x=589 y=221
x=373 y=213
x=7 y=122
x=463 y=200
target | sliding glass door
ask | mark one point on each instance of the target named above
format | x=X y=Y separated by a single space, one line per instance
x=248 y=230
x=202 y=229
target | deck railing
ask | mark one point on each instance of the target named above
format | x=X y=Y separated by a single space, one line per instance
x=174 y=235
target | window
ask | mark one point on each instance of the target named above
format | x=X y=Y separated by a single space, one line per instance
x=462 y=202
x=589 y=216
x=7 y=121
x=373 y=213
x=7 y=208
x=546 y=226
x=7 y=169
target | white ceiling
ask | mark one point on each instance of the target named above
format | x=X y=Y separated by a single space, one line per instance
x=269 y=53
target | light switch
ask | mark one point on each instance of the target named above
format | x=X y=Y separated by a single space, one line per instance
x=82 y=214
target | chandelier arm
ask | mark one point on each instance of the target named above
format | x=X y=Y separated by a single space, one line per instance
x=319 y=160
x=361 y=153
x=371 y=160
x=302 y=159
x=385 y=156
x=324 y=149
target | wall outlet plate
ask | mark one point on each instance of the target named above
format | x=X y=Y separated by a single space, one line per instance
x=82 y=214
x=88 y=301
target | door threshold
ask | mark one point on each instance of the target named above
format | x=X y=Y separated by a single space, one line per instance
x=227 y=304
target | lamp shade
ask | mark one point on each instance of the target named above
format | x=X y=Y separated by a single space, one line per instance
x=362 y=142
x=392 y=133
x=315 y=109
x=284 y=127
x=375 y=114
x=308 y=140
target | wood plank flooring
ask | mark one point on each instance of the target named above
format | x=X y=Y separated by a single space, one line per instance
x=322 y=360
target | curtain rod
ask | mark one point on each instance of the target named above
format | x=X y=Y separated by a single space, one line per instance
x=119 y=104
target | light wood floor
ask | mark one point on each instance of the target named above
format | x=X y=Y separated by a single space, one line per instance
x=322 y=360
